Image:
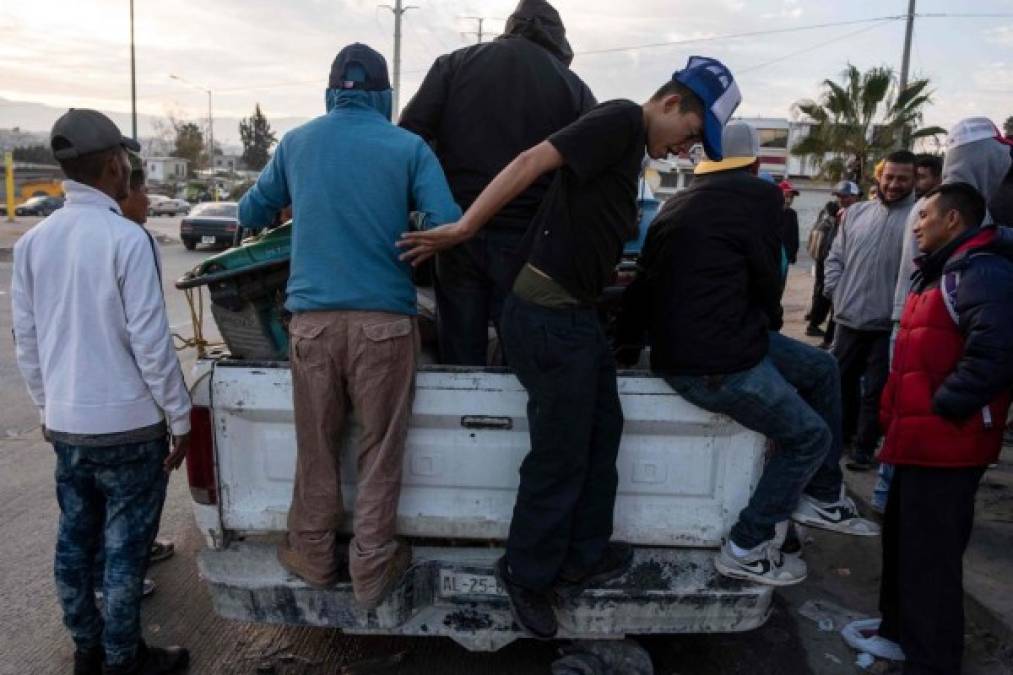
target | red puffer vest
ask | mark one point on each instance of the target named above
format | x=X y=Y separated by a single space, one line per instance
x=929 y=346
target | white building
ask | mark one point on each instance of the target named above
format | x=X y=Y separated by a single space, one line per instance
x=228 y=163
x=165 y=169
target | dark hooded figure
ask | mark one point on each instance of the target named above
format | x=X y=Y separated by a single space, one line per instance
x=480 y=107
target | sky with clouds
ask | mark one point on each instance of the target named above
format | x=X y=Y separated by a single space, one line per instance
x=277 y=53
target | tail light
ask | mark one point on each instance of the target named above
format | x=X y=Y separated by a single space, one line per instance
x=230 y=228
x=200 y=459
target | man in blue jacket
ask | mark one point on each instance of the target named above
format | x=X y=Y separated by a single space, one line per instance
x=351 y=178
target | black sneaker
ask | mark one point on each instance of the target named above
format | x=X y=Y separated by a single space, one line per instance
x=614 y=562
x=88 y=661
x=814 y=331
x=153 y=661
x=532 y=611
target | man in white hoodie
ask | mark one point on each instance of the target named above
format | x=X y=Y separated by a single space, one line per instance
x=93 y=345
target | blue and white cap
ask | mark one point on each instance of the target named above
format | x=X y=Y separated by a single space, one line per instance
x=713 y=83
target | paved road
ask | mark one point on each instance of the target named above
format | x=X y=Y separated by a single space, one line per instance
x=32 y=639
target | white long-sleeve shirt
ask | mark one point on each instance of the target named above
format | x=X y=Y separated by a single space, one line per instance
x=92 y=335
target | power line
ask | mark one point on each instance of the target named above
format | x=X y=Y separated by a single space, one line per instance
x=732 y=36
x=811 y=48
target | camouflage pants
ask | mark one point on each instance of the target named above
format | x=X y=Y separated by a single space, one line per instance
x=113 y=495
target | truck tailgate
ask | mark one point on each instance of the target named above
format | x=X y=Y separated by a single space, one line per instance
x=684 y=473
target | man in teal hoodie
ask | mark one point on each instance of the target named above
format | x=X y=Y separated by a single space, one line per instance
x=351 y=178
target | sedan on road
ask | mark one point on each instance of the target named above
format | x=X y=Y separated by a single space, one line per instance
x=210 y=223
x=166 y=206
x=40 y=205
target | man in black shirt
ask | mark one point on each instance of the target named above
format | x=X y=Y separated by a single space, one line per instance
x=480 y=107
x=562 y=522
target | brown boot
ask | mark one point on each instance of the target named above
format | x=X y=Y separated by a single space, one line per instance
x=312 y=574
x=390 y=579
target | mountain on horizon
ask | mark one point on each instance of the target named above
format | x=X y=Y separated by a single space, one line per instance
x=38 y=118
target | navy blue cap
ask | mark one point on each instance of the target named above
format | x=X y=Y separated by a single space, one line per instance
x=713 y=83
x=359 y=66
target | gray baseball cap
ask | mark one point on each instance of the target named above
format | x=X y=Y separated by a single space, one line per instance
x=81 y=132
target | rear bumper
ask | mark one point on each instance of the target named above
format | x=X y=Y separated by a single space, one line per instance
x=666 y=591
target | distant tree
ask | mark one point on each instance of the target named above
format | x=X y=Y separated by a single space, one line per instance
x=1007 y=127
x=36 y=154
x=189 y=143
x=255 y=132
x=860 y=120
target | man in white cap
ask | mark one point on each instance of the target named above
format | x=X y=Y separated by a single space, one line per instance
x=708 y=297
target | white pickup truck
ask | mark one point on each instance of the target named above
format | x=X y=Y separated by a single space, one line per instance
x=684 y=475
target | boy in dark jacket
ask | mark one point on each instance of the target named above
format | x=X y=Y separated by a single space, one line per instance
x=708 y=296
x=480 y=107
x=562 y=521
x=943 y=412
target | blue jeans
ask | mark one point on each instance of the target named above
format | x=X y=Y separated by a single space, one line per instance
x=114 y=492
x=793 y=397
x=472 y=281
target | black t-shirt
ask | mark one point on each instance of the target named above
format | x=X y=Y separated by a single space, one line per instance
x=590 y=209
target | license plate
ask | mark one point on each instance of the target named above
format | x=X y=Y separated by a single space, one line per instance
x=207 y=239
x=454 y=583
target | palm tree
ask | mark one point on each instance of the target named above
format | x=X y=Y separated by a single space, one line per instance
x=858 y=121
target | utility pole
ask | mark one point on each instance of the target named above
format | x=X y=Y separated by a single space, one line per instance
x=478 y=33
x=211 y=129
x=133 y=78
x=398 y=10
x=906 y=62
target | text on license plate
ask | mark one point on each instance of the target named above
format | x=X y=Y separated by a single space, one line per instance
x=464 y=583
x=207 y=239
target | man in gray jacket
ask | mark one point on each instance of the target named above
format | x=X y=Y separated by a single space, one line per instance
x=860 y=276
x=976 y=154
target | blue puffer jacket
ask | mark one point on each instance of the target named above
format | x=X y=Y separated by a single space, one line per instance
x=984 y=306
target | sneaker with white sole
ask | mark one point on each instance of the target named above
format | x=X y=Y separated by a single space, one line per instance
x=764 y=564
x=840 y=516
x=864 y=636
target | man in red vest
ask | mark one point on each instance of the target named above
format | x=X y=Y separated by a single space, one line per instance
x=943 y=412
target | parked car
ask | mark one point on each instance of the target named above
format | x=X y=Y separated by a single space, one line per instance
x=40 y=205
x=167 y=206
x=210 y=223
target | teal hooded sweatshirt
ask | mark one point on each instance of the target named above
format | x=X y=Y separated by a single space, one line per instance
x=351 y=178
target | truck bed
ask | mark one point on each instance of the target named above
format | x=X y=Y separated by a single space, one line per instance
x=684 y=473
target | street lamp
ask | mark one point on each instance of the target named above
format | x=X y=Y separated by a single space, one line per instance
x=211 y=131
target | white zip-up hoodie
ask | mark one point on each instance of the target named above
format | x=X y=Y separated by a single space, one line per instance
x=90 y=325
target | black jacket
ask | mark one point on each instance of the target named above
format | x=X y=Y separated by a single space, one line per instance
x=984 y=306
x=709 y=285
x=483 y=105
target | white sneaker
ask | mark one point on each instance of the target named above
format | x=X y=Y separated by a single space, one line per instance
x=863 y=635
x=764 y=564
x=840 y=516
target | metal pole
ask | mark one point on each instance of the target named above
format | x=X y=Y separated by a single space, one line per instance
x=133 y=78
x=398 y=12
x=480 y=22
x=9 y=170
x=211 y=148
x=906 y=61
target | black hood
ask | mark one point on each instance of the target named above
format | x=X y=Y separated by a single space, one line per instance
x=539 y=22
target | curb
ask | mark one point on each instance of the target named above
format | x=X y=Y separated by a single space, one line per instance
x=977 y=611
